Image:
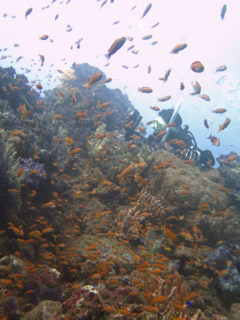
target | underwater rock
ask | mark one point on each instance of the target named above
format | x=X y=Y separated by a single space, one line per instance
x=229 y=169
x=235 y=311
x=226 y=261
x=45 y=310
x=33 y=171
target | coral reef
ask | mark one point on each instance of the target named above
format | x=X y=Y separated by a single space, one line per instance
x=10 y=182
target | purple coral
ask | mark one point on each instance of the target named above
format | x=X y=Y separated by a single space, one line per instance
x=33 y=172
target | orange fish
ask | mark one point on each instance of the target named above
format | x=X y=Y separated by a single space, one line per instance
x=145 y=89
x=20 y=172
x=74 y=151
x=169 y=233
x=219 y=110
x=17 y=133
x=155 y=108
x=81 y=115
x=95 y=78
x=69 y=141
x=39 y=86
x=224 y=125
x=179 y=47
x=164 y=98
x=197 y=66
x=25 y=114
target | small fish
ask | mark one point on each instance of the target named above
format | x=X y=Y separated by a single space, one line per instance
x=196 y=87
x=134 y=51
x=215 y=141
x=25 y=114
x=131 y=47
x=178 y=47
x=107 y=80
x=39 y=86
x=197 y=66
x=136 y=66
x=124 y=66
x=117 y=44
x=42 y=59
x=19 y=58
x=206 y=123
x=95 y=78
x=219 y=110
x=56 y=17
x=182 y=87
x=164 y=98
x=134 y=7
x=116 y=22
x=221 y=68
x=153 y=43
x=44 y=37
x=155 y=108
x=149 y=6
x=145 y=89
x=155 y=25
x=224 y=125
x=167 y=74
x=27 y=13
x=147 y=37
x=223 y=11
x=149 y=69
x=103 y=3
x=204 y=97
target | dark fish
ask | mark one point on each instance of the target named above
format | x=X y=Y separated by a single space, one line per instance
x=155 y=25
x=224 y=125
x=221 y=68
x=147 y=37
x=78 y=43
x=56 y=17
x=117 y=44
x=103 y=4
x=196 y=87
x=27 y=13
x=166 y=75
x=132 y=46
x=107 y=80
x=179 y=47
x=134 y=51
x=206 y=123
x=197 y=66
x=42 y=59
x=223 y=11
x=19 y=58
x=215 y=141
x=182 y=87
x=116 y=22
x=149 y=6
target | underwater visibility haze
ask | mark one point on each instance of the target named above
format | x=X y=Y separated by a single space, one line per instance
x=119 y=160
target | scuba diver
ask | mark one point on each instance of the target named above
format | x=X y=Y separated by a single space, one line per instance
x=132 y=123
x=180 y=138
